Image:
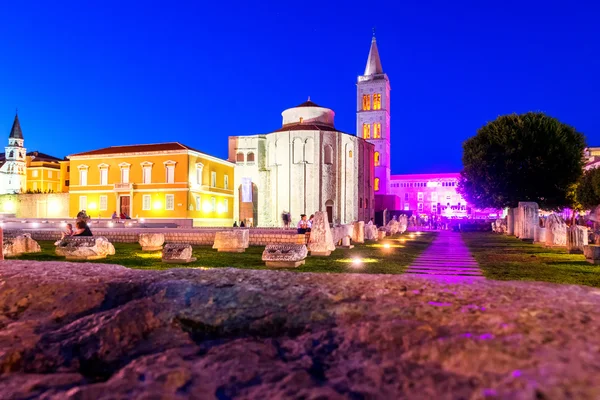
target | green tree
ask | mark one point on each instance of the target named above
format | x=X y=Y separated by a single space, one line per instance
x=587 y=192
x=527 y=157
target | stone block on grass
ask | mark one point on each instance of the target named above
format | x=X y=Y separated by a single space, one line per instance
x=177 y=253
x=321 y=240
x=592 y=253
x=284 y=255
x=20 y=244
x=232 y=241
x=84 y=247
x=151 y=241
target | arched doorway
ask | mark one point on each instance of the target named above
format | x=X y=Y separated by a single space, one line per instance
x=248 y=209
x=329 y=209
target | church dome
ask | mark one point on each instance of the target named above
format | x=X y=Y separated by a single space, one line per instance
x=308 y=113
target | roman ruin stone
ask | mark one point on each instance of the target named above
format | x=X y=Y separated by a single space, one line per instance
x=177 y=253
x=556 y=231
x=151 y=241
x=577 y=238
x=84 y=247
x=16 y=245
x=97 y=331
x=528 y=220
x=510 y=222
x=358 y=234
x=402 y=223
x=321 y=241
x=232 y=240
x=371 y=232
x=284 y=255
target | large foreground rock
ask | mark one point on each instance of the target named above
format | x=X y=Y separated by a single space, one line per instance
x=96 y=331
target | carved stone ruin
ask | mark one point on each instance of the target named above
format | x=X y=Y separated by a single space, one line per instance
x=15 y=245
x=393 y=226
x=402 y=223
x=232 y=241
x=592 y=254
x=517 y=218
x=340 y=232
x=284 y=255
x=358 y=234
x=371 y=232
x=556 y=231
x=151 y=241
x=381 y=234
x=321 y=241
x=510 y=222
x=177 y=253
x=499 y=226
x=528 y=220
x=540 y=235
x=577 y=238
x=84 y=247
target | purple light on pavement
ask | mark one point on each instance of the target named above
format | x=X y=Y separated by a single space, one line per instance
x=438 y=304
x=516 y=373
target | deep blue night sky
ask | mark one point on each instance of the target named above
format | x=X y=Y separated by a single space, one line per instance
x=88 y=76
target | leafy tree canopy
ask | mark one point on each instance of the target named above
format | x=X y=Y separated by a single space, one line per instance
x=588 y=189
x=527 y=157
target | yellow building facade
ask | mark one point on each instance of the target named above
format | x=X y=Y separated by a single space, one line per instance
x=43 y=173
x=165 y=180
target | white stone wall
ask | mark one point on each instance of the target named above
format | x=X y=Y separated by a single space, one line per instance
x=292 y=174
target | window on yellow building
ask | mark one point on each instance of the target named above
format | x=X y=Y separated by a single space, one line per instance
x=146 y=202
x=169 y=202
x=226 y=185
x=49 y=174
x=366 y=131
x=103 y=203
x=213 y=179
x=376 y=159
x=213 y=204
x=82 y=202
x=226 y=205
x=377 y=101
x=34 y=173
x=199 y=168
x=124 y=175
x=83 y=177
x=104 y=176
x=366 y=102
x=147 y=174
x=170 y=174
x=377 y=130
x=198 y=203
x=376 y=184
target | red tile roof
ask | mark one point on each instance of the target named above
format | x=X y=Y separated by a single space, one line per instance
x=137 y=148
x=307 y=127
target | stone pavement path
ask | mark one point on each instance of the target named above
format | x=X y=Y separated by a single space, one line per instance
x=447 y=255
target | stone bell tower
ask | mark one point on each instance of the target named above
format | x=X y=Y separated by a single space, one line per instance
x=14 y=169
x=373 y=116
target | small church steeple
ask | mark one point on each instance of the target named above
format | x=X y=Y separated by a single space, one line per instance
x=16 y=132
x=373 y=62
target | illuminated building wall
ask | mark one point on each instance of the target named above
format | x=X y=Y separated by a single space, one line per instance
x=165 y=180
x=429 y=194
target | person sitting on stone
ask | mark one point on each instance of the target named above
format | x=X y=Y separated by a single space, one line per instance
x=235 y=224
x=242 y=224
x=68 y=231
x=114 y=215
x=310 y=222
x=302 y=224
x=82 y=229
x=371 y=221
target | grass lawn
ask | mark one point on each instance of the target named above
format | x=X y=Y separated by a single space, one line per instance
x=375 y=258
x=507 y=258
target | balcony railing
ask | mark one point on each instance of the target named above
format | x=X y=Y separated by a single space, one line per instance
x=123 y=186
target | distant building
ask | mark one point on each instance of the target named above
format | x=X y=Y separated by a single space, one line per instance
x=43 y=173
x=592 y=157
x=305 y=166
x=13 y=171
x=164 y=180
